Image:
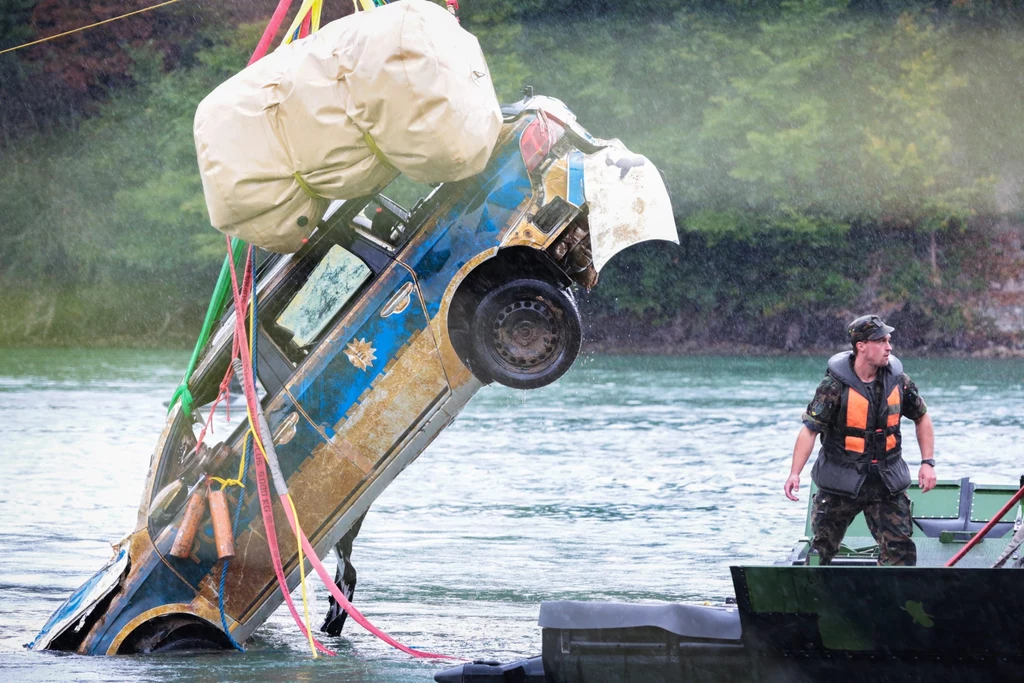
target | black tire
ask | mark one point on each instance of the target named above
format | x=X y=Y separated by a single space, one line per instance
x=526 y=333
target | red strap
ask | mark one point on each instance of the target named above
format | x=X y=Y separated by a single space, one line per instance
x=267 y=510
x=307 y=25
x=271 y=30
x=241 y=298
x=266 y=502
x=344 y=602
x=453 y=9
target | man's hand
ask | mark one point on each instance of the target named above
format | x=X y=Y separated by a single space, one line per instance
x=926 y=478
x=801 y=451
x=793 y=486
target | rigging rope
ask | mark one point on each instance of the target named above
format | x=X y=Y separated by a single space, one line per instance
x=245 y=372
x=264 y=445
x=243 y=467
x=86 y=28
x=218 y=301
x=252 y=361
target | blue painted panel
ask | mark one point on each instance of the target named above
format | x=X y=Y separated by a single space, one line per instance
x=475 y=223
x=332 y=387
x=86 y=596
x=330 y=393
x=157 y=585
x=577 y=195
x=298 y=449
x=330 y=384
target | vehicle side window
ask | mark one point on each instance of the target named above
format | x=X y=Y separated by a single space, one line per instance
x=307 y=311
x=329 y=287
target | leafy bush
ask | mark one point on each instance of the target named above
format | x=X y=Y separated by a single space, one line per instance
x=824 y=158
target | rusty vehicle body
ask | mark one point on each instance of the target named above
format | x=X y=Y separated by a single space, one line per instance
x=371 y=339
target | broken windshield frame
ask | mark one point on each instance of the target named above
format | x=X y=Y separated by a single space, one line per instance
x=391 y=214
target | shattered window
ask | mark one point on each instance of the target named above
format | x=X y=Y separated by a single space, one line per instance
x=331 y=284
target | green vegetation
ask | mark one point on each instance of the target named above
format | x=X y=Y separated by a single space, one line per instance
x=104 y=227
x=824 y=158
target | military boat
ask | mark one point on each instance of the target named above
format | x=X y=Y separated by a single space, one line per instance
x=798 y=621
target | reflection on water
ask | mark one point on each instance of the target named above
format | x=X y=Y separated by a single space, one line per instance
x=630 y=479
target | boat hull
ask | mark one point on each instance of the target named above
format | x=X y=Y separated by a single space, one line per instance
x=797 y=621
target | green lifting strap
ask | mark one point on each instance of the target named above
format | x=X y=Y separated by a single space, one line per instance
x=213 y=313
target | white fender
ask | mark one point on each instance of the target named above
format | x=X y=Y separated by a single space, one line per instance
x=627 y=199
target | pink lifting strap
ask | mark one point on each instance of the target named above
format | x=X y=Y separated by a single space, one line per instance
x=271 y=31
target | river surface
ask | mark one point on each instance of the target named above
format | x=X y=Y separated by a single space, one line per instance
x=632 y=478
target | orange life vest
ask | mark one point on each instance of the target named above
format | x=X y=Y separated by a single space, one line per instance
x=865 y=436
x=858 y=414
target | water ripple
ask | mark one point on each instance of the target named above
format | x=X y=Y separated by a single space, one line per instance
x=637 y=479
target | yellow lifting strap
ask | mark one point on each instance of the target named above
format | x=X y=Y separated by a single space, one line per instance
x=313 y=194
x=316 y=6
x=372 y=144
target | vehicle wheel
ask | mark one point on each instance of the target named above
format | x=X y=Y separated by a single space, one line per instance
x=174 y=633
x=526 y=333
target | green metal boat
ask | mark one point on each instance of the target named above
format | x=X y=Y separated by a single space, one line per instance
x=797 y=621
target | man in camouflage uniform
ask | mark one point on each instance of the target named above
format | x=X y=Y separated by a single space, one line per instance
x=860 y=467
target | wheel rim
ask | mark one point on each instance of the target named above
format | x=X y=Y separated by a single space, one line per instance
x=526 y=336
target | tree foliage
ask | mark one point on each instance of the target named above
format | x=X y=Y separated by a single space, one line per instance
x=823 y=158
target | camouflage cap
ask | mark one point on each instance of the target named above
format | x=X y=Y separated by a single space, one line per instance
x=867 y=328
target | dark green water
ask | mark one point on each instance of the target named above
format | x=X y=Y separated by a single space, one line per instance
x=638 y=479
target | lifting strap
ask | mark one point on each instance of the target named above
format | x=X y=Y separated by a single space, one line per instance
x=308 y=17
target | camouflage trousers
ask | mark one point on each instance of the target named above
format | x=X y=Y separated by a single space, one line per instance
x=887 y=516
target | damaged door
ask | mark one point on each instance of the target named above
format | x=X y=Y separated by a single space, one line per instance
x=368 y=378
